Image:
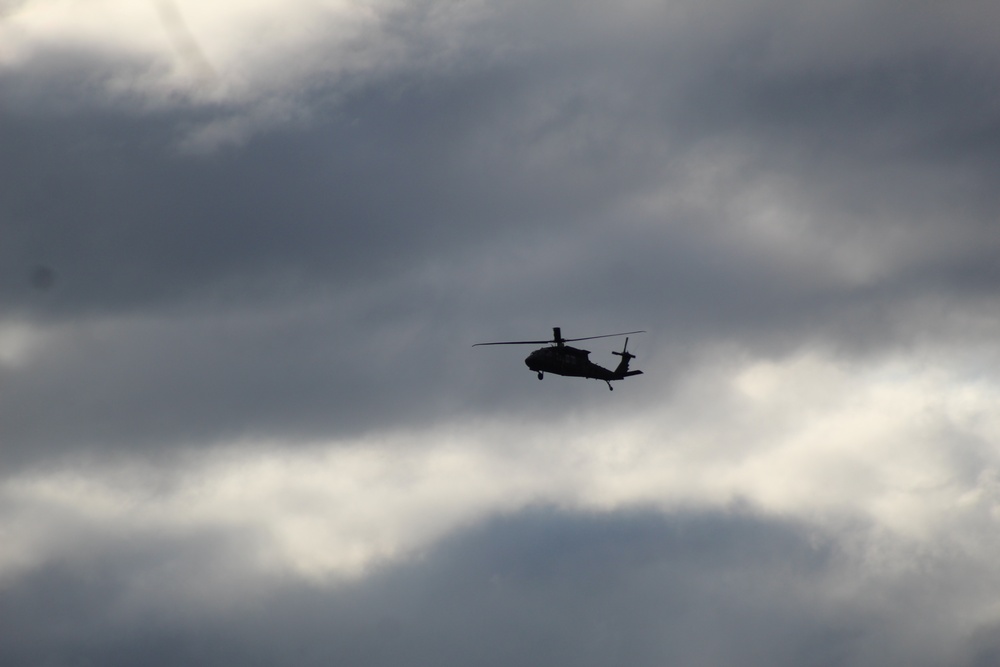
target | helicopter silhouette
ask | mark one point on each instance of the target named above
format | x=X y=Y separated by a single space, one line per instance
x=562 y=359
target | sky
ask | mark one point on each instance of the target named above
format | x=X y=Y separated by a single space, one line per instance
x=246 y=248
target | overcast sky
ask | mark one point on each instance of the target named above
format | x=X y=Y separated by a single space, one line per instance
x=245 y=249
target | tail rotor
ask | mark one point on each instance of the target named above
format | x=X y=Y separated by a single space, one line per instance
x=625 y=354
x=622 y=371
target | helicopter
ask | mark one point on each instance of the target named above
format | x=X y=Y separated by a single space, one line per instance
x=562 y=359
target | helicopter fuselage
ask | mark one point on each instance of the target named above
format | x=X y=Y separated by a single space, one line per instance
x=573 y=362
x=566 y=360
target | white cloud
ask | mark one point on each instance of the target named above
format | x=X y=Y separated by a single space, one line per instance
x=172 y=51
x=19 y=342
x=899 y=444
x=247 y=66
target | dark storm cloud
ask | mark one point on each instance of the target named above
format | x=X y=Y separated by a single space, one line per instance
x=384 y=184
x=415 y=167
x=310 y=258
x=488 y=193
x=538 y=587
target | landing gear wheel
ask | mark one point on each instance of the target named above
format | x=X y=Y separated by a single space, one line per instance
x=610 y=388
x=540 y=376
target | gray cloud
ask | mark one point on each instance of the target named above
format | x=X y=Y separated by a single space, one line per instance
x=541 y=586
x=447 y=170
x=785 y=195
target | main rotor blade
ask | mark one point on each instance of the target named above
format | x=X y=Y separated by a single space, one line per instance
x=517 y=342
x=563 y=340
x=624 y=333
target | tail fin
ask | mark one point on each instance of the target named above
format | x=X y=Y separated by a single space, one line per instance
x=622 y=371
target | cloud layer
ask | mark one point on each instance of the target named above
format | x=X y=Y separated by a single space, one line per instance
x=246 y=248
